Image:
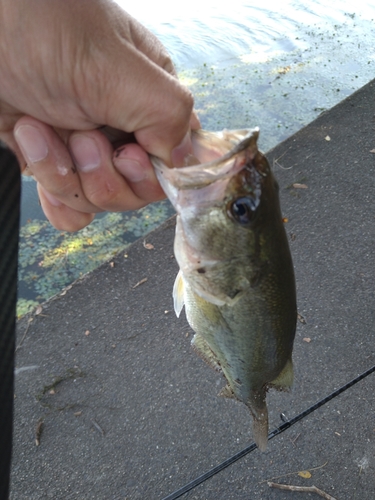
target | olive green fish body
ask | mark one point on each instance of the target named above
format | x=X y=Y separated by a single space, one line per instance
x=236 y=275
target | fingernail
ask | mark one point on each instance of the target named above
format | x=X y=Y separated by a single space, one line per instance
x=31 y=142
x=182 y=151
x=50 y=198
x=85 y=153
x=131 y=169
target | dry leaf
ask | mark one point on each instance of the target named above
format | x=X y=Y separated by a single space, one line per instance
x=77 y=413
x=148 y=246
x=292 y=473
x=39 y=309
x=65 y=290
x=305 y=474
x=38 y=431
x=327 y=138
x=307 y=339
x=297 y=185
x=301 y=319
x=285 y=220
x=111 y=264
x=372 y=151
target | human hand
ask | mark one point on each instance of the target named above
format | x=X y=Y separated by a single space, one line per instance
x=68 y=68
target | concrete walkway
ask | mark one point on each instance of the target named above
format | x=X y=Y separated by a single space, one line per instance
x=130 y=412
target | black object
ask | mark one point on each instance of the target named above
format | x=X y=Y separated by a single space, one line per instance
x=9 y=231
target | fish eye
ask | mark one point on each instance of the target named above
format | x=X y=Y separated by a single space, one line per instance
x=243 y=210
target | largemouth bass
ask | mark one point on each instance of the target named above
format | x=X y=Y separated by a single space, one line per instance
x=236 y=276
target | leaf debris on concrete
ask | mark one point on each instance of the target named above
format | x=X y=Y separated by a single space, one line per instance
x=293 y=473
x=301 y=319
x=305 y=489
x=38 y=431
x=140 y=283
x=97 y=427
x=148 y=246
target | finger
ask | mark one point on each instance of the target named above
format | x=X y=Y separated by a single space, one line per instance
x=61 y=216
x=147 y=43
x=50 y=162
x=159 y=108
x=133 y=163
x=105 y=186
x=195 y=123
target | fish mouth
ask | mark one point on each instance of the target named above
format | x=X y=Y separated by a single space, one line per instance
x=196 y=189
x=212 y=155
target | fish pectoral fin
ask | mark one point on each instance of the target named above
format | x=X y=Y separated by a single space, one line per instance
x=178 y=294
x=284 y=381
x=203 y=350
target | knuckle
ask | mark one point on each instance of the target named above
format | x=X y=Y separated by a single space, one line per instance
x=107 y=195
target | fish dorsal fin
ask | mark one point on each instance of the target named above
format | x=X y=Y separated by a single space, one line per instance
x=178 y=294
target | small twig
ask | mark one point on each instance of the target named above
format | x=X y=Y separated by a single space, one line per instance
x=97 y=426
x=295 y=439
x=356 y=486
x=140 y=283
x=276 y=161
x=38 y=431
x=24 y=335
x=305 y=489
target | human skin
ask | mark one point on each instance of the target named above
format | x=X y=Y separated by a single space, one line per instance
x=86 y=93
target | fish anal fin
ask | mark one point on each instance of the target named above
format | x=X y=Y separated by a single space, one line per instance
x=204 y=351
x=226 y=392
x=284 y=381
x=178 y=294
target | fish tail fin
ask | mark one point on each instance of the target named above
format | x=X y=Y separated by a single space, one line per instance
x=258 y=408
x=284 y=381
x=260 y=428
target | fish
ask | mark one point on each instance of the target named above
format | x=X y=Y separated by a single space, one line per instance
x=236 y=277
